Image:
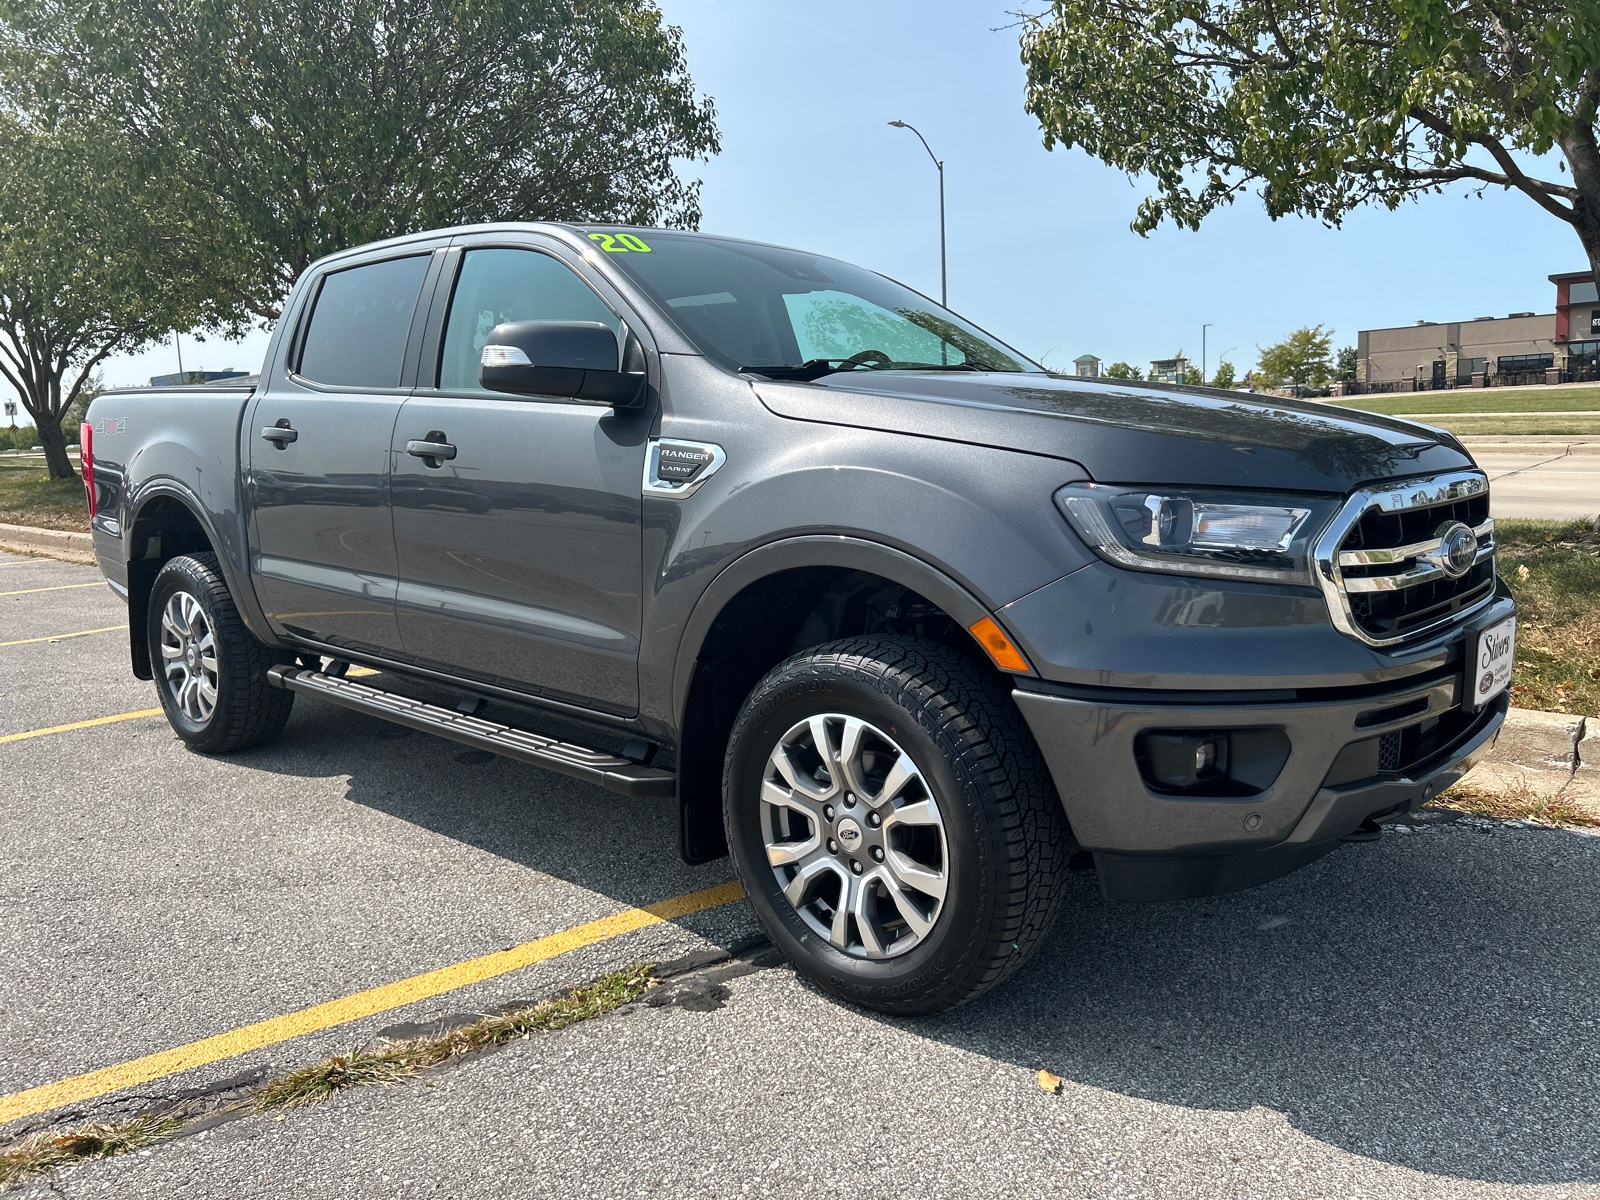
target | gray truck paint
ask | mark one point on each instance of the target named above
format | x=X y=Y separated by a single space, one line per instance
x=536 y=568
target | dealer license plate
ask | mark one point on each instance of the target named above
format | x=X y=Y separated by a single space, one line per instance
x=1497 y=650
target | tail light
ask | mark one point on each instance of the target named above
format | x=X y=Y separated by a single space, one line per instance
x=86 y=457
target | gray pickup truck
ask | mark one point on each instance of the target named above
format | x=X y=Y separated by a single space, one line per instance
x=910 y=626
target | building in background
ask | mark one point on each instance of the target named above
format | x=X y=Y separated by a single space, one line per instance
x=1086 y=366
x=1577 y=336
x=1522 y=347
x=186 y=378
x=1170 y=370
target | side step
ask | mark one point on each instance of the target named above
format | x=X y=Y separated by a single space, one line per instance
x=592 y=766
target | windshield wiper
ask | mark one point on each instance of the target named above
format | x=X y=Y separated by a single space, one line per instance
x=816 y=368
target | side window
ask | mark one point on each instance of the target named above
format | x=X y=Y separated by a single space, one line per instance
x=497 y=285
x=357 y=336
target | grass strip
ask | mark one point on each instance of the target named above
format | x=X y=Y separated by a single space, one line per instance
x=49 y=1149
x=1477 y=400
x=1518 y=802
x=28 y=496
x=362 y=1066
x=1553 y=569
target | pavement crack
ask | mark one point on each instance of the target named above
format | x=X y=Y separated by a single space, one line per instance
x=1535 y=466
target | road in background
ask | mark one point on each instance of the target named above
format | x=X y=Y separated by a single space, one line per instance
x=1541 y=478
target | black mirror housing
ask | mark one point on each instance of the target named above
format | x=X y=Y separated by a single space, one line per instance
x=570 y=359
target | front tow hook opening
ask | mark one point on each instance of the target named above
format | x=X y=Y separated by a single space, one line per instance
x=1368 y=831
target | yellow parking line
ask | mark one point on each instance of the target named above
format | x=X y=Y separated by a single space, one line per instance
x=59 y=636
x=65 y=587
x=350 y=1008
x=33 y=733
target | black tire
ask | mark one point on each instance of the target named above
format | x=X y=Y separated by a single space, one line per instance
x=247 y=709
x=1006 y=838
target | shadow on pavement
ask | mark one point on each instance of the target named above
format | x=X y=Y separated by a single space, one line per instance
x=1428 y=1001
x=623 y=848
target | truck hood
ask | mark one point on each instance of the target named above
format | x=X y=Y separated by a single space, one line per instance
x=1130 y=432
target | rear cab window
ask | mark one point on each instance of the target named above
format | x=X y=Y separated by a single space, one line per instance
x=360 y=322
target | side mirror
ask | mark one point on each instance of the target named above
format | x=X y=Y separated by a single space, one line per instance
x=576 y=359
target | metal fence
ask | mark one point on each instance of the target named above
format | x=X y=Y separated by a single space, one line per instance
x=1578 y=374
x=1516 y=378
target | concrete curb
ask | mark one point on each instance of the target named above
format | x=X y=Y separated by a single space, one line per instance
x=51 y=543
x=1546 y=752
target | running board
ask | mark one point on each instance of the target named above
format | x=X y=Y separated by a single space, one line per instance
x=592 y=766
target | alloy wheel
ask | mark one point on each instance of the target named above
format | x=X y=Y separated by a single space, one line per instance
x=189 y=657
x=854 y=835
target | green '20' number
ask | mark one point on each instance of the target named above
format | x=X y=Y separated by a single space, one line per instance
x=619 y=243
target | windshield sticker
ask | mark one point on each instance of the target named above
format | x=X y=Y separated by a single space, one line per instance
x=619 y=243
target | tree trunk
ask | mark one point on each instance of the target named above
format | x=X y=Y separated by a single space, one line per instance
x=1583 y=156
x=55 y=447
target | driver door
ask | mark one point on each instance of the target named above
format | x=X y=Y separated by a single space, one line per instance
x=519 y=559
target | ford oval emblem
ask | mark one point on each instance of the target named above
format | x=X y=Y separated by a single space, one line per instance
x=1458 y=549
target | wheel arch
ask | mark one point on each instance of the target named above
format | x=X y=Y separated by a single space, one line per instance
x=773 y=602
x=167 y=520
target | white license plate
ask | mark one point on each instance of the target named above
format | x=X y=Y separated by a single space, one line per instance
x=1497 y=650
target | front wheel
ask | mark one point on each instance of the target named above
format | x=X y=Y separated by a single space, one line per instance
x=210 y=671
x=893 y=824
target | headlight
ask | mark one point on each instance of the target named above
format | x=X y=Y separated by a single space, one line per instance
x=1233 y=535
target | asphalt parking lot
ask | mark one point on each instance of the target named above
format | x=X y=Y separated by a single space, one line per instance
x=1415 y=1017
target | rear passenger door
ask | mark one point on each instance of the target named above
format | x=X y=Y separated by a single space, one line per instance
x=519 y=557
x=318 y=451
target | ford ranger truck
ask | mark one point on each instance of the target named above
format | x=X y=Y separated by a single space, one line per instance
x=904 y=623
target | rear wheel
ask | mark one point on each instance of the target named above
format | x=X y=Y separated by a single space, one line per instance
x=210 y=671
x=893 y=824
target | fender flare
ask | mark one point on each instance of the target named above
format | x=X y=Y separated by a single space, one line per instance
x=235 y=577
x=817 y=550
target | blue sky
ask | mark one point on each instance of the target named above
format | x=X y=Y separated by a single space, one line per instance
x=1040 y=250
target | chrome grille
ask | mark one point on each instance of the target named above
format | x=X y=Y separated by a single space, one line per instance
x=1383 y=568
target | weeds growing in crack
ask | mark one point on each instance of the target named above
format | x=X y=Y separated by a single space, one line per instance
x=52 y=1148
x=362 y=1067
x=1518 y=802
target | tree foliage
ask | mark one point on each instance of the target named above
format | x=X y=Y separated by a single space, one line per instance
x=1122 y=370
x=1301 y=358
x=83 y=270
x=293 y=128
x=1224 y=378
x=1344 y=364
x=1327 y=106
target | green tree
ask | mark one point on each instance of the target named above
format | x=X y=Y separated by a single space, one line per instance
x=1325 y=107
x=1224 y=378
x=1344 y=364
x=81 y=255
x=293 y=128
x=1301 y=358
x=1122 y=370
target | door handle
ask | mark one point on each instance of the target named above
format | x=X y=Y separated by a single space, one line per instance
x=436 y=450
x=280 y=434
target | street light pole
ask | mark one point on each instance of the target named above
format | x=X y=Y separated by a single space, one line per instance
x=1203 y=329
x=944 y=288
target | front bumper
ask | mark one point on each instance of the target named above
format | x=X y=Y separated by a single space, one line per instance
x=1337 y=770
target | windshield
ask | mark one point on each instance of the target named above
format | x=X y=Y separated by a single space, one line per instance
x=774 y=311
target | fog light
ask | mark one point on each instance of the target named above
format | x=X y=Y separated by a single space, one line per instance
x=1181 y=761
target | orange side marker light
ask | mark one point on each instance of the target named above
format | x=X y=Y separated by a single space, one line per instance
x=993 y=639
